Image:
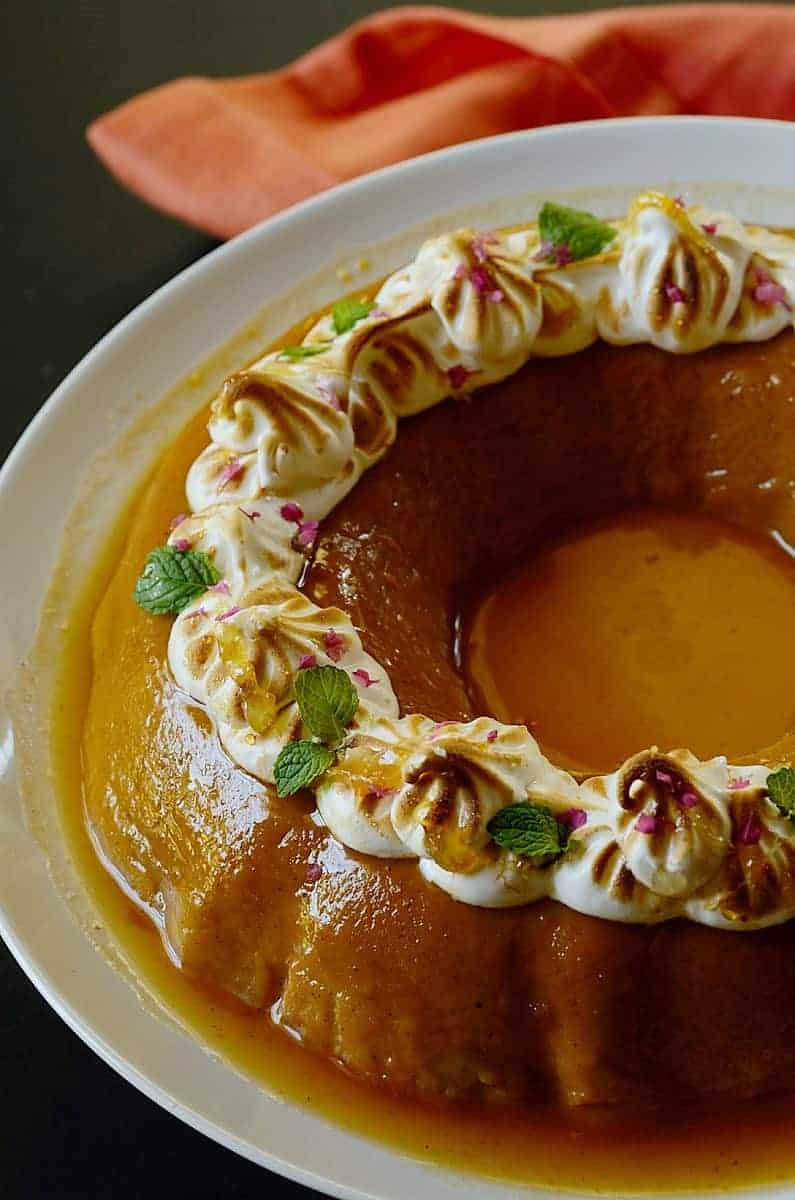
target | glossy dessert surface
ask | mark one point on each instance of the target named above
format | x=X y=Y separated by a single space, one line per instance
x=258 y=900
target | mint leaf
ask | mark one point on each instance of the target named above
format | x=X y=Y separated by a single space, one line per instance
x=529 y=829
x=295 y=352
x=346 y=313
x=581 y=232
x=327 y=700
x=781 y=789
x=298 y=764
x=172 y=578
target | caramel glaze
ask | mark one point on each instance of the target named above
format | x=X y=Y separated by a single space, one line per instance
x=368 y=964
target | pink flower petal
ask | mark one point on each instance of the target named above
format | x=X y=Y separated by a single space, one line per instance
x=664 y=777
x=252 y=516
x=364 y=677
x=575 y=818
x=222 y=587
x=675 y=294
x=770 y=294
x=479 y=243
x=313 y=872
x=197 y=612
x=688 y=800
x=177 y=520
x=292 y=512
x=330 y=396
x=739 y=783
x=481 y=280
x=231 y=471
x=458 y=375
x=181 y=544
x=306 y=661
x=544 y=252
x=563 y=255
x=496 y=295
x=647 y=823
x=307 y=532
x=334 y=644
x=378 y=793
x=750 y=831
x=230 y=612
x=492 y=735
x=710 y=227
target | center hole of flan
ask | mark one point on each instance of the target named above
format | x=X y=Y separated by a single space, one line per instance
x=653 y=628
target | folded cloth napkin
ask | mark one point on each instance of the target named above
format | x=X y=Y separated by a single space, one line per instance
x=223 y=154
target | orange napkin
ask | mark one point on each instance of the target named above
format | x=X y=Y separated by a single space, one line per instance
x=223 y=154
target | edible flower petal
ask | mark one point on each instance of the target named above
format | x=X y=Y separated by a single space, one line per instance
x=363 y=677
x=334 y=644
x=675 y=294
x=458 y=375
x=292 y=512
x=230 y=612
x=749 y=831
x=767 y=291
x=307 y=532
x=231 y=471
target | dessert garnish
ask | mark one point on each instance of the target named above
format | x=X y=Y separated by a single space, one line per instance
x=347 y=313
x=231 y=471
x=529 y=830
x=296 y=352
x=172 y=578
x=327 y=701
x=569 y=234
x=781 y=789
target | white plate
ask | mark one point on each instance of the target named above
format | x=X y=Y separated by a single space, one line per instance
x=289 y=263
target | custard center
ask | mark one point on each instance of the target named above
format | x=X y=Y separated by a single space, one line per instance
x=654 y=628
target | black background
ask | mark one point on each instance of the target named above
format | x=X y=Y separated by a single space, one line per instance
x=79 y=253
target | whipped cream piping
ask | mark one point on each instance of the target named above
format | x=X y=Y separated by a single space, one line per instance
x=665 y=835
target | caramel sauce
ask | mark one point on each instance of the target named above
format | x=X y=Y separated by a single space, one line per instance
x=677 y=1145
x=653 y=628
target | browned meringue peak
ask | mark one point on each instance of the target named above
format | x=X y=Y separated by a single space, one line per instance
x=246 y=545
x=755 y=885
x=219 y=476
x=458 y=776
x=669 y=812
x=241 y=661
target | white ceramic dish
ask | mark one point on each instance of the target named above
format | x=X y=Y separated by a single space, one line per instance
x=291 y=264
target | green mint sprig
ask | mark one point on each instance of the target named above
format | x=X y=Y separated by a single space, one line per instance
x=346 y=313
x=172 y=578
x=327 y=701
x=781 y=789
x=531 y=830
x=296 y=352
x=580 y=233
x=299 y=764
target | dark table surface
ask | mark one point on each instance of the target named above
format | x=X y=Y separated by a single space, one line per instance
x=79 y=254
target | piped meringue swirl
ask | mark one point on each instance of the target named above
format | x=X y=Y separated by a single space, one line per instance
x=666 y=835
